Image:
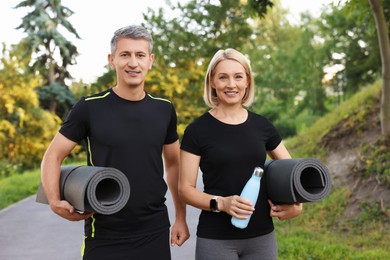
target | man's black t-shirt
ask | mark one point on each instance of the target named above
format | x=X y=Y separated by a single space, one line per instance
x=229 y=154
x=129 y=136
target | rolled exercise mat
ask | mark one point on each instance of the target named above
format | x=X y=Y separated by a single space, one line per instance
x=296 y=180
x=101 y=190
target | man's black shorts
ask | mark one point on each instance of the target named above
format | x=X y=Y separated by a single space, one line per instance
x=154 y=246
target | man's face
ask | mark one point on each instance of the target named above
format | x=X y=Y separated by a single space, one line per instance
x=131 y=61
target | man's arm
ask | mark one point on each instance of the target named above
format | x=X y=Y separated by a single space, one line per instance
x=171 y=154
x=57 y=151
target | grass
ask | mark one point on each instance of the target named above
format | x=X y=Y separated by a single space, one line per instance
x=306 y=245
x=351 y=112
x=321 y=232
x=18 y=186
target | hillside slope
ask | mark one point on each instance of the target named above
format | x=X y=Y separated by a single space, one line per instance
x=349 y=142
x=346 y=145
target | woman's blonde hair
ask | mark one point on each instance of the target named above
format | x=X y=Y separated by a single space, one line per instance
x=209 y=94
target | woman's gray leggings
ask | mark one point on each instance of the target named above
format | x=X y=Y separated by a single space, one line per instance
x=262 y=247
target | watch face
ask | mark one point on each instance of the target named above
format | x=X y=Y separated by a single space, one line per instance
x=213 y=205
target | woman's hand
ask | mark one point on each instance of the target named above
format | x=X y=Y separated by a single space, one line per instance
x=286 y=211
x=235 y=206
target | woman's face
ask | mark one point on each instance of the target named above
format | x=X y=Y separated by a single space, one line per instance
x=230 y=82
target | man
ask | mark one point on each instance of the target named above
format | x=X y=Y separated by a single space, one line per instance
x=125 y=128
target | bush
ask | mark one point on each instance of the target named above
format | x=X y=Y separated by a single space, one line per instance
x=7 y=169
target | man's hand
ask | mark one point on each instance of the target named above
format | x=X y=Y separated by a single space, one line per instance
x=67 y=211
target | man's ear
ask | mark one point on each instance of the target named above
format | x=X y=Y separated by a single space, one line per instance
x=110 y=59
x=151 y=60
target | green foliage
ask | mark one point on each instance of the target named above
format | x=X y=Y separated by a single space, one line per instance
x=34 y=138
x=349 y=31
x=184 y=45
x=287 y=62
x=313 y=142
x=274 y=110
x=259 y=7
x=56 y=98
x=25 y=129
x=43 y=44
x=107 y=80
x=7 y=169
x=43 y=37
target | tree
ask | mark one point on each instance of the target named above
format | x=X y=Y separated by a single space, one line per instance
x=186 y=42
x=384 y=47
x=380 y=11
x=288 y=63
x=184 y=45
x=50 y=52
x=25 y=128
x=101 y=83
x=349 y=32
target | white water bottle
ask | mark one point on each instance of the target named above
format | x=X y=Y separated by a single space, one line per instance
x=250 y=192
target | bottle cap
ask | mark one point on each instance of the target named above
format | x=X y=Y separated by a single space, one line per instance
x=258 y=172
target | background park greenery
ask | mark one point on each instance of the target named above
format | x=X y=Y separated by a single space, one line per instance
x=311 y=78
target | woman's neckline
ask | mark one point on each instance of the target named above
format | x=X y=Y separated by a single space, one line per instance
x=227 y=119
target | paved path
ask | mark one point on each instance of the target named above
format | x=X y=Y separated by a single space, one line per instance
x=31 y=231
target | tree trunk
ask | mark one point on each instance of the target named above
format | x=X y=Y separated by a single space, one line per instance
x=53 y=107
x=384 y=48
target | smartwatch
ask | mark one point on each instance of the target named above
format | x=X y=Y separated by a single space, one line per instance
x=214 y=204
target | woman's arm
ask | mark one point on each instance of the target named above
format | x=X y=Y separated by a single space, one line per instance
x=286 y=211
x=189 y=167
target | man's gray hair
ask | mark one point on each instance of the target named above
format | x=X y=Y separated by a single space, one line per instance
x=131 y=32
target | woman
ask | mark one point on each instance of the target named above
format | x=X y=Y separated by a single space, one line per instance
x=227 y=143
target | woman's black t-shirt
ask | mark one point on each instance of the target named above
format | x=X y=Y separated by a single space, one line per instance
x=229 y=154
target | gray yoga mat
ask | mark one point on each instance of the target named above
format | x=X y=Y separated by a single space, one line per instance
x=296 y=180
x=101 y=190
